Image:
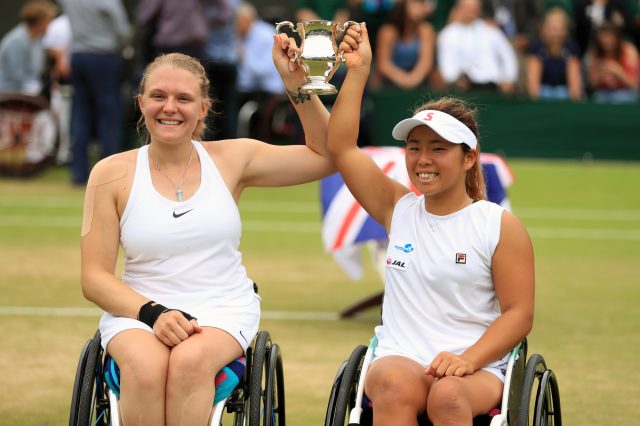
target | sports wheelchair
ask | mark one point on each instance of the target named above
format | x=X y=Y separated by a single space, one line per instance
x=530 y=395
x=251 y=388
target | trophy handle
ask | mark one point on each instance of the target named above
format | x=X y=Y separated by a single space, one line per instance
x=346 y=25
x=299 y=29
x=343 y=28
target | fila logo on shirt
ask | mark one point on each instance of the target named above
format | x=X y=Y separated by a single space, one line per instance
x=461 y=258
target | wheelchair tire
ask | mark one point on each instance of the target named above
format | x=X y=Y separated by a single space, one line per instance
x=347 y=388
x=547 y=410
x=274 y=401
x=258 y=380
x=84 y=387
x=539 y=386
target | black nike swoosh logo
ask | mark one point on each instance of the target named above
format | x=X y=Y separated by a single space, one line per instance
x=177 y=215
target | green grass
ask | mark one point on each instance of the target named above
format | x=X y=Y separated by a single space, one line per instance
x=584 y=219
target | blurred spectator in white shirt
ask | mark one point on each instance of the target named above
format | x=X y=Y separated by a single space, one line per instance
x=473 y=53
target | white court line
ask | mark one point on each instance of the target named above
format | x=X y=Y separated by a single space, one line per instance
x=314 y=207
x=315 y=228
x=95 y=312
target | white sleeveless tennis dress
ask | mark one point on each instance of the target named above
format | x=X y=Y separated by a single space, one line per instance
x=184 y=255
x=439 y=293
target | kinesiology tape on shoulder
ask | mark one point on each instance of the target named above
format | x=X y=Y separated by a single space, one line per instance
x=150 y=311
x=100 y=176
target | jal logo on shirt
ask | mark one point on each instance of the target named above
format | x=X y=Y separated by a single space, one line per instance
x=397 y=263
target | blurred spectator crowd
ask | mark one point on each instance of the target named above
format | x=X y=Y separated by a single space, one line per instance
x=86 y=57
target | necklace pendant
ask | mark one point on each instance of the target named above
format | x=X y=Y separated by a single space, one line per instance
x=179 y=194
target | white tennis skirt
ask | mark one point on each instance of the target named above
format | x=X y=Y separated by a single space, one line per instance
x=240 y=321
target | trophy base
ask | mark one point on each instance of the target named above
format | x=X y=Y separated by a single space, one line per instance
x=315 y=88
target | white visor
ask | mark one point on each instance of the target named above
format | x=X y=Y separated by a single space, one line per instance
x=448 y=127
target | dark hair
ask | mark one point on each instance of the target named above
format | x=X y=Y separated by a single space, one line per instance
x=616 y=31
x=187 y=63
x=398 y=16
x=466 y=114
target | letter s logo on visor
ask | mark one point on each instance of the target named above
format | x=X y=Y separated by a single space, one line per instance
x=428 y=117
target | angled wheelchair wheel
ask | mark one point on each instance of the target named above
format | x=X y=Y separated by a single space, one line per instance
x=88 y=405
x=266 y=400
x=343 y=392
x=540 y=398
x=274 y=401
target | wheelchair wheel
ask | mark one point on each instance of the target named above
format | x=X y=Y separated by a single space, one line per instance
x=274 y=401
x=87 y=399
x=540 y=392
x=266 y=405
x=343 y=392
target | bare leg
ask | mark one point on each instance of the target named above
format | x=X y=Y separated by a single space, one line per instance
x=193 y=365
x=456 y=400
x=143 y=361
x=398 y=388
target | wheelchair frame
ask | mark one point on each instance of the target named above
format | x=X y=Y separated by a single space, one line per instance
x=525 y=383
x=258 y=400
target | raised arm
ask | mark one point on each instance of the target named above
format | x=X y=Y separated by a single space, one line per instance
x=376 y=192
x=269 y=165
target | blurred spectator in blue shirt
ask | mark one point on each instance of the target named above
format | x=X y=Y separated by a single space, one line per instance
x=405 y=47
x=22 y=55
x=256 y=72
x=100 y=30
x=553 y=62
x=221 y=64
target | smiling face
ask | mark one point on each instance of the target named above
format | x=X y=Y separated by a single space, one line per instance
x=437 y=167
x=172 y=104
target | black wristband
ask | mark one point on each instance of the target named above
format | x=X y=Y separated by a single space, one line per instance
x=150 y=311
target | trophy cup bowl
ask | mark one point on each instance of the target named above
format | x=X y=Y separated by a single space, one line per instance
x=320 y=57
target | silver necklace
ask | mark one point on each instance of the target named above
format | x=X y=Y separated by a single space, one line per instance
x=184 y=173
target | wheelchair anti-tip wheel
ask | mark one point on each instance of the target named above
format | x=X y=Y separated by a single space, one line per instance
x=540 y=398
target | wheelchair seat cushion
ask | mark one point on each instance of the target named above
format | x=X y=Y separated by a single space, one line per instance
x=225 y=381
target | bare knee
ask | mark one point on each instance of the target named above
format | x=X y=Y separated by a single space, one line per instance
x=447 y=402
x=397 y=388
x=143 y=373
x=190 y=365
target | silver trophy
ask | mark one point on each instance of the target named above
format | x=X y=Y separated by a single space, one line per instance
x=320 y=57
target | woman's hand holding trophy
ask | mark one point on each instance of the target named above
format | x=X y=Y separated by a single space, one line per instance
x=318 y=57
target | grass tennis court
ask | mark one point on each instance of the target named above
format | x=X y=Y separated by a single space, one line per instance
x=584 y=219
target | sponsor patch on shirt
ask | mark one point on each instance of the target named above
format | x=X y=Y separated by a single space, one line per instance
x=396 y=262
x=461 y=258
